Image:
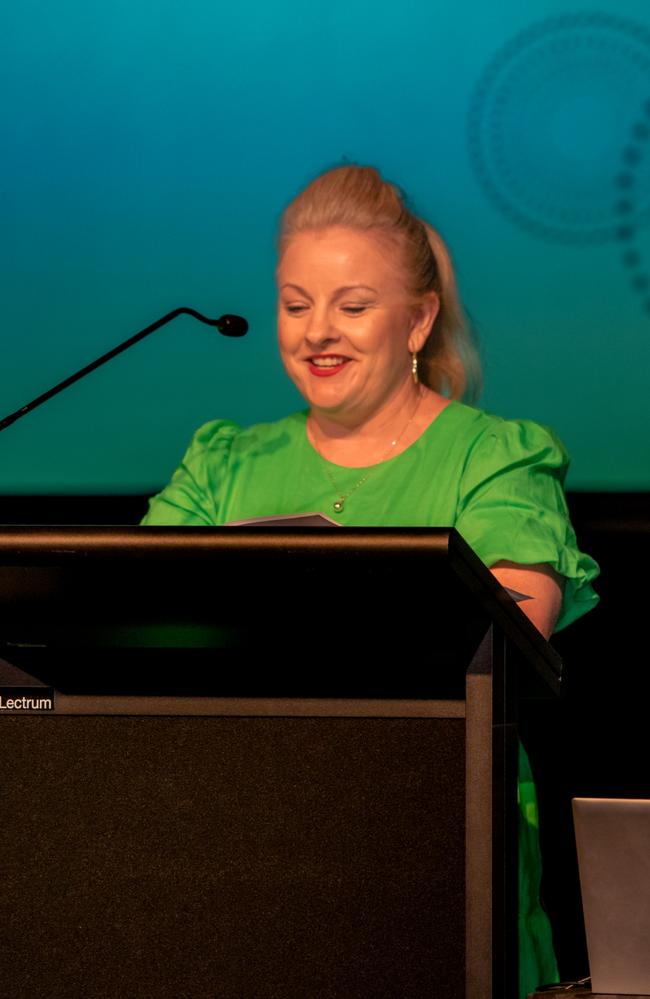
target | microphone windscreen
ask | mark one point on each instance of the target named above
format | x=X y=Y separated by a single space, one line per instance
x=232 y=325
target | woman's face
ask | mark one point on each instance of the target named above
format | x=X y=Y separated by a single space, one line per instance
x=346 y=323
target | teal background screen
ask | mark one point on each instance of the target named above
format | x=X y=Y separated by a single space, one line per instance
x=149 y=148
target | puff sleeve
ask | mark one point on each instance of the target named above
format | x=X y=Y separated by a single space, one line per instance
x=512 y=507
x=192 y=496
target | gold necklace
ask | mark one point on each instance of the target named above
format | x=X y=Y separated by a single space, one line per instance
x=339 y=504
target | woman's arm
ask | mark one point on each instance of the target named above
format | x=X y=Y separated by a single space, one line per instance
x=512 y=511
x=542 y=583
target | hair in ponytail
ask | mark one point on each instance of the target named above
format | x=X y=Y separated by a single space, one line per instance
x=358 y=197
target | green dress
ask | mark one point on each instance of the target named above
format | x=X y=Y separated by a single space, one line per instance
x=498 y=482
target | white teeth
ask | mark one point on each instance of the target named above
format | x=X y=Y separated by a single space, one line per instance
x=327 y=362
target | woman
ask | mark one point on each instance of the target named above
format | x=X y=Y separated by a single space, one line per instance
x=373 y=335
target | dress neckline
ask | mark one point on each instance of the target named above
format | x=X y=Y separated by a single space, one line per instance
x=452 y=404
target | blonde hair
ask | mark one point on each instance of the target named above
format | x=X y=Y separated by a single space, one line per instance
x=358 y=197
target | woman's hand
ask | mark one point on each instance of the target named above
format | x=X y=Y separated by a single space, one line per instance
x=542 y=583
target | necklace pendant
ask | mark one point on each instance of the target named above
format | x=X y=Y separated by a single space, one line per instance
x=339 y=504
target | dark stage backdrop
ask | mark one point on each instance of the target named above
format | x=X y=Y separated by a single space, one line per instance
x=148 y=149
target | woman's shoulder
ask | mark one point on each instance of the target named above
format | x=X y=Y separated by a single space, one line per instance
x=482 y=421
x=220 y=452
x=492 y=440
x=224 y=435
x=214 y=434
x=512 y=505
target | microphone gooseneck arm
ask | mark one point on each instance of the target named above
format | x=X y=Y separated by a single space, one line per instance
x=228 y=325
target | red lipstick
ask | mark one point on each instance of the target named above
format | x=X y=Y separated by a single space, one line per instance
x=326 y=370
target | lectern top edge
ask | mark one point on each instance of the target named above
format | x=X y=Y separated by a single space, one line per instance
x=74 y=548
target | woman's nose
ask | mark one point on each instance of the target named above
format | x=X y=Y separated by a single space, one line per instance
x=319 y=327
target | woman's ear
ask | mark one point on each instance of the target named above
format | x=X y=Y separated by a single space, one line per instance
x=424 y=316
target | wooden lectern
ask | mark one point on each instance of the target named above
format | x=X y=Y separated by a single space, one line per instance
x=259 y=764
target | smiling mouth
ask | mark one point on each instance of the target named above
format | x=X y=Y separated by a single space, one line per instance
x=328 y=360
x=325 y=365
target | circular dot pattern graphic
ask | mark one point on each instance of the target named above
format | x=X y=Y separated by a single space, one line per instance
x=554 y=127
x=630 y=195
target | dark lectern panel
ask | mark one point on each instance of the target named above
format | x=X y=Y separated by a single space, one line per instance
x=238 y=858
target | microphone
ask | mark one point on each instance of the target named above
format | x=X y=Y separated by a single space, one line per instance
x=227 y=325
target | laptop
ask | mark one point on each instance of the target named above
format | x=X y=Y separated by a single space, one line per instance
x=613 y=840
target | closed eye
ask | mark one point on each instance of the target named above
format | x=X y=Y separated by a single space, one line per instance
x=350 y=310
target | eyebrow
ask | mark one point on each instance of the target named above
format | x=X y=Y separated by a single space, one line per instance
x=339 y=291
